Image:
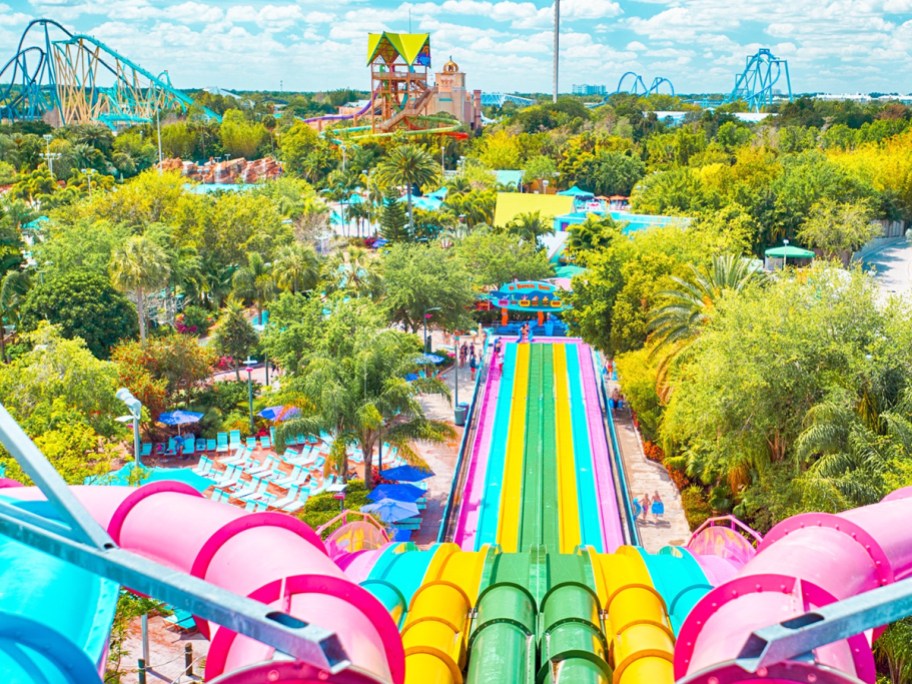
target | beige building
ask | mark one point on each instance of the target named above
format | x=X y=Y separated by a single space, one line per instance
x=452 y=96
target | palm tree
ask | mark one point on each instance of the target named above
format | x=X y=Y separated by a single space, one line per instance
x=255 y=281
x=359 y=395
x=352 y=270
x=530 y=226
x=410 y=166
x=689 y=307
x=297 y=268
x=138 y=267
x=14 y=287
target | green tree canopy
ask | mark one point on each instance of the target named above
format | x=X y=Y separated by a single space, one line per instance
x=83 y=305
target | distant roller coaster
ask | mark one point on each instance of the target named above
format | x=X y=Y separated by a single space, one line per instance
x=755 y=84
x=635 y=85
x=66 y=78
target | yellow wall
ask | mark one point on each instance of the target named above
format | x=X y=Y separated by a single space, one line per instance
x=511 y=204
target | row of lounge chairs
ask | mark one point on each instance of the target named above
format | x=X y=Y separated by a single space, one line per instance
x=224 y=442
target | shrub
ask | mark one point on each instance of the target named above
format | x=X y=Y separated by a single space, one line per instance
x=193 y=320
x=696 y=508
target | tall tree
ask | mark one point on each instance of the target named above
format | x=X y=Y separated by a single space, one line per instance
x=296 y=268
x=530 y=226
x=139 y=267
x=255 y=281
x=235 y=337
x=407 y=165
x=13 y=288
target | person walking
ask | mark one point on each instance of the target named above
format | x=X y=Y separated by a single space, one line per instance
x=473 y=364
x=658 y=506
x=646 y=503
x=463 y=354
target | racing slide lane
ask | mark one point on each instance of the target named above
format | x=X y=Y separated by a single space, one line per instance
x=511 y=495
x=612 y=531
x=489 y=498
x=567 y=495
x=467 y=523
x=587 y=511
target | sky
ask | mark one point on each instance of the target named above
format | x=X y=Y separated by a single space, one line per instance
x=503 y=45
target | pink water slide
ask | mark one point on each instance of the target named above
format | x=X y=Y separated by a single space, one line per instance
x=467 y=523
x=609 y=509
x=804 y=562
x=270 y=557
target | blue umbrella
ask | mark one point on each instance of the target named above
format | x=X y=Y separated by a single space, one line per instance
x=406 y=473
x=390 y=510
x=399 y=492
x=279 y=413
x=179 y=418
x=430 y=358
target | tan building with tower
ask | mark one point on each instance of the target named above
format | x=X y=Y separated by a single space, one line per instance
x=454 y=98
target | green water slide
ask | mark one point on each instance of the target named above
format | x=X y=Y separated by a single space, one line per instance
x=538 y=602
x=538 y=521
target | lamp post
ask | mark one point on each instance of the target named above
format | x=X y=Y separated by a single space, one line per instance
x=442 y=159
x=427 y=315
x=250 y=363
x=135 y=407
x=545 y=186
x=785 y=244
x=48 y=155
x=89 y=173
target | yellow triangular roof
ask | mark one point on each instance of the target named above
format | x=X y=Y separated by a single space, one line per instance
x=407 y=45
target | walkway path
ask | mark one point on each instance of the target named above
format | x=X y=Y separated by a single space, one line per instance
x=441 y=457
x=891 y=261
x=646 y=477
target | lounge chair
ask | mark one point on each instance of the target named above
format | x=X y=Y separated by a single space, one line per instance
x=251 y=443
x=234 y=439
x=239 y=457
x=245 y=489
x=145 y=449
x=259 y=492
x=218 y=495
x=267 y=465
x=181 y=619
x=227 y=474
x=222 y=445
x=189 y=445
x=171 y=450
x=290 y=478
x=204 y=466
x=201 y=444
x=272 y=434
x=291 y=495
x=210 y=445
x=250 y=506
x=265 y=442
x=294 y=506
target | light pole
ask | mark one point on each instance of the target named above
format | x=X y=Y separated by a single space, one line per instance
x=427 y=315
x=366 y=174
x=89 y=173
x=135 y=407
x=785 y=244
x=545 y=186
x=48 y=155
x=250 y=363
x=442 y=159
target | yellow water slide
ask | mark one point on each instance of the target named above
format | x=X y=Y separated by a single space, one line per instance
x=568 y=514
x=434 y=634
x=511 y=498
x=637 y=625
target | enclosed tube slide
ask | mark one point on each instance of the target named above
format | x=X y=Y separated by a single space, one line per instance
x=56 y=618
x=342 y=117
x=268 y=557
x=804 y=562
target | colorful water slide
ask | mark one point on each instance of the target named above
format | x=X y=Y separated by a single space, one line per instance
x=601 y=459
x=269 y=557
x=511 y=489
x=487 y=501
x=56 y=617
x=640 y=635
x=343 y=117
x=395 y=577
x=570 y=526
x=589 y=511
x=434 y=635
x=467 y=522
x=804 y=562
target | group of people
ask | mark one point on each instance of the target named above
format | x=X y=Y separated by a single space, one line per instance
x=525 y=333
x=467 y=354
x=643 y=506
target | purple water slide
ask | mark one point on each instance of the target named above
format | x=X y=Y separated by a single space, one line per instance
x=612 y=532
x=341 y=117
x=804 y=562
x=467 y=524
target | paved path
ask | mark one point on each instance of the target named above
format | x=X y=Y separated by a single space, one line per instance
x=441 y=457
x=645 y=476
x=892 y=265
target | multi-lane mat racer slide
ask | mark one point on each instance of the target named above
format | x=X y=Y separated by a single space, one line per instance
x=538 y=584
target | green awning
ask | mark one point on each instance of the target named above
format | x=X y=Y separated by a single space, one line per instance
x=790 y=252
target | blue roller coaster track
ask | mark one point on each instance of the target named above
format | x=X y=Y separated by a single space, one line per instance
x=68 y=78
x=637 y=86
x=755 y=84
